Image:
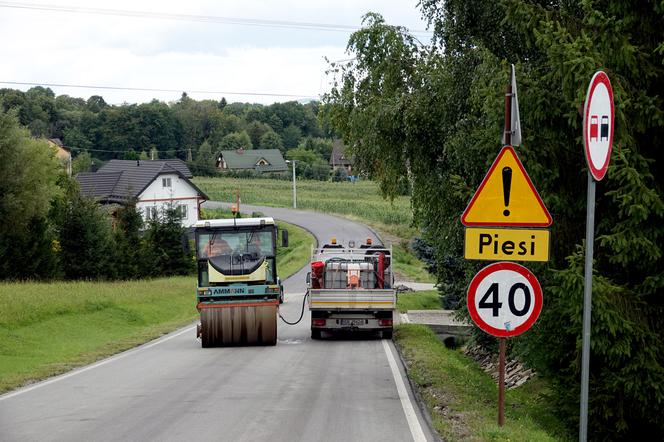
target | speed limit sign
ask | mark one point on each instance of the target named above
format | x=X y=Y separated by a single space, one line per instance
x=504 y=299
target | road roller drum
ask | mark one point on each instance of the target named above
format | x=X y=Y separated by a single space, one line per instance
x=232 y=325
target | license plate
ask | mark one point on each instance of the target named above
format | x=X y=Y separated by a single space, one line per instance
x=352 y=322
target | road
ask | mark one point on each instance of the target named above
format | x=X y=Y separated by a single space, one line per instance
x=344 y=389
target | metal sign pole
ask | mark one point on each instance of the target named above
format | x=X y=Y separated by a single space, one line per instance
x=587 y=306
x=503 y=341
x=501 y=382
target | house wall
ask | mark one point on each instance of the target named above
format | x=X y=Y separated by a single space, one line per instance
x=159 y=197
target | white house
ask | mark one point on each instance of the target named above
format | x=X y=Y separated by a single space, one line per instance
x=154 y=185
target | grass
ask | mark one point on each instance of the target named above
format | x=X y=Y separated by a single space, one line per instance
x=50 y=328
x=422 y=300
x=360 y=201
x=462 y=399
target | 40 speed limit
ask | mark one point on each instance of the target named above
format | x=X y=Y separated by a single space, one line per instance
x=504 y=299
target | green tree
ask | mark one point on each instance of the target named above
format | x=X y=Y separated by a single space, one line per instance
x=236 y=140
x=271 y=140
x=205 y=160
x=435 y=113
x=81 y=163
x=130 y=256
x=85 y=237
x=166 y=240
x=291 y=136
x=309 y=164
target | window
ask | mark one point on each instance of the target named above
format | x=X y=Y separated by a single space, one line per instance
x=182 y=211
x=151 y=212
x=165 y=182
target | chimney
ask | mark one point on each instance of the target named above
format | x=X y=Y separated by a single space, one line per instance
x=93 y=166
x=138 y=163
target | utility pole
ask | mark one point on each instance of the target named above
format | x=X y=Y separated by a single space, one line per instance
x=294 y=186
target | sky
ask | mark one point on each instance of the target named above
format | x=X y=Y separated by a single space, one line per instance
x=103 y=49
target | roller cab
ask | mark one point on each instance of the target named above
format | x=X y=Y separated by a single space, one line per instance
x=238 y=291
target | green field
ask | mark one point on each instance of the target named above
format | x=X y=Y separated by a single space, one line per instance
x=49 y=328
x=360 y=201
x=462 y=399
x=422 y=300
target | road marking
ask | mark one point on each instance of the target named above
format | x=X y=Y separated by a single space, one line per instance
x=409 y=411
x=97 y=364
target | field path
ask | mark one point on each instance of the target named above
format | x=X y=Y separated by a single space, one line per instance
x=172 y=389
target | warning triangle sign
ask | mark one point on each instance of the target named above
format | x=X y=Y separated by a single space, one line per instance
x=506 y=197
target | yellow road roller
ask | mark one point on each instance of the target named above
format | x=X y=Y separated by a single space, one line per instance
x=239 y=291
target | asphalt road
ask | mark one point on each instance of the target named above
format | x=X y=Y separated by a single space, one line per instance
x=337 y=389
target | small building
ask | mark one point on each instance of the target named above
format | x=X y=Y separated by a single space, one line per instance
x=260 y=160
x=155 y=185
x=339 y=159
x=62 y=153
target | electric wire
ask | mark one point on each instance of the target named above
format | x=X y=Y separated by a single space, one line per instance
x=147 y=89
x=190 y=17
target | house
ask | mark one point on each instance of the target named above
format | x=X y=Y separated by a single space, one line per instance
x=62 y=153
x=260 y=160
x=154 y=184
x=338 y=158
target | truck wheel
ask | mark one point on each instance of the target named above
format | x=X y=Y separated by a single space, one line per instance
x=387 y=334
x=315 y=333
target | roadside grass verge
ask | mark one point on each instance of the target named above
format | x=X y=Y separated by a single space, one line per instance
x=462 y=399
x=49 y=328
x=422 y=300
x=360 y=201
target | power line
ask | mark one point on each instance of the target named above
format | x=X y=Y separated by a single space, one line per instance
x=123 y=151
x=147 y=89
x=190 y=17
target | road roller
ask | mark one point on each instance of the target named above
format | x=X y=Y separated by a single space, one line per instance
x=239 y=290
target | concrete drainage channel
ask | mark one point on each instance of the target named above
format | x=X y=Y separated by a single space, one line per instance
x=451 y=332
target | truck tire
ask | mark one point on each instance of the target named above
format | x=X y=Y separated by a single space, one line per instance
x=315 y=333
x=387 y=334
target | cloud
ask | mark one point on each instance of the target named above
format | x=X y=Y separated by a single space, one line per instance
x=71 y=48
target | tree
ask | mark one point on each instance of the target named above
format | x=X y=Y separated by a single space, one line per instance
x=205 y=160
x=271 y=140
x=435 y=113
x=81 y=163
x=85 y=241
x=166 y=239
x=128 y=247
x=291 y=136
x=256 y=130
x=236 y=140
x=309 y=164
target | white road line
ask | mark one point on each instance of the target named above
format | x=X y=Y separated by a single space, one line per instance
x=409 y=411
x=98 y=364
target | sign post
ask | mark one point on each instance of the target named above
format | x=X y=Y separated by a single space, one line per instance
x=598 y=118
x=506 y=220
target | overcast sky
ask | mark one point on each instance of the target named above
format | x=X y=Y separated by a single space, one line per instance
x=103 y=49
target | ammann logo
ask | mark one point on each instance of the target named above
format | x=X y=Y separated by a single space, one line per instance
x=228 y=291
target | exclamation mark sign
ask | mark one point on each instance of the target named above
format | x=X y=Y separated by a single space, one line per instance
x=507 y=186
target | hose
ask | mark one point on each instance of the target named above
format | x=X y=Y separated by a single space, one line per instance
x=304 y=299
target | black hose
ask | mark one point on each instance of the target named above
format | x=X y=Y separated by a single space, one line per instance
x=304 y=299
